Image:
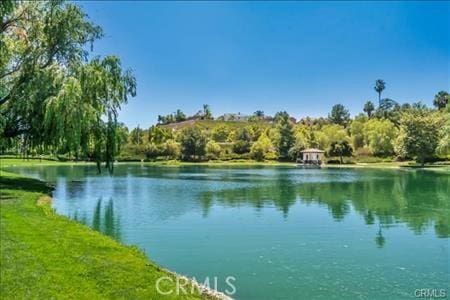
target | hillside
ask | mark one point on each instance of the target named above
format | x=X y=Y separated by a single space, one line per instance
x=211 y=124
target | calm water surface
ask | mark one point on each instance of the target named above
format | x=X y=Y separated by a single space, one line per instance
x=283 y=233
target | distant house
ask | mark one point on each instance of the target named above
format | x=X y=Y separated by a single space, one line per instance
x=234 y=117
x=312 y=156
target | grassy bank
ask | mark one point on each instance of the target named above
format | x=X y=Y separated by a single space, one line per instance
x=442 y=166
x=47 y=256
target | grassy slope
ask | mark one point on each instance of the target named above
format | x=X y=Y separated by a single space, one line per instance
x=211 y=124
x=47 y=256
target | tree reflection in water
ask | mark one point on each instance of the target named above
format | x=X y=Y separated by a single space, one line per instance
x=385 y=198
x=104 y=219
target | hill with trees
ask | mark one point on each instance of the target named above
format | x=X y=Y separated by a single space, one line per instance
x=387 y=132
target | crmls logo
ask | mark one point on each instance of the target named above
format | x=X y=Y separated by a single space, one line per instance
x=430 y=293
x=184 y=286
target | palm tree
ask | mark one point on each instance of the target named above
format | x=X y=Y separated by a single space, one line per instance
x=379 y=87
x=369 y=108
x=441 y=99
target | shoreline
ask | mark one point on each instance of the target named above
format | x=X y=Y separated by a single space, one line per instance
x=406 y=165
x=24 y=191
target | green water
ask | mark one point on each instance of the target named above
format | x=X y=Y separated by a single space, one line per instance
x=283 y=233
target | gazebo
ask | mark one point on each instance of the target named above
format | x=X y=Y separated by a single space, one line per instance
x=312 y=156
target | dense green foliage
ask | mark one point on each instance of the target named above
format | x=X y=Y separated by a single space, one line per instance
x=388 y=132
x=419 y=134
x=47 y=256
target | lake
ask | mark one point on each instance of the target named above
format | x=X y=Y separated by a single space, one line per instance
x=281 y=232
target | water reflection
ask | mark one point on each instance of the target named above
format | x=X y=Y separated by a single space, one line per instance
x=104 y=219
x=419 y=199
x=413 y=197
x=380 y=240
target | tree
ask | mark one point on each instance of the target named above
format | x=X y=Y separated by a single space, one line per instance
x=379 y=136
x=389 y=109
x=242 y=141
x=259 y=114
x=419 y=134
x=441 y=99
x=193 y=143
x=180 y=116
x=280 y=115
x=339 y=115
x=213 y=150
x=444 y=143
x=172 y=149
x=137 y=136
x=357 y=131
x=369 y=108
x=379 y=87
x=170 y=118
x=122 y=136
x=302 y=140
x=330 y=134
x=151 y=150
x=220 y=133
x=262 y=149
x=51 y=94
x=286 y=138
x=158 y=134
x=340 y=148
x=207 y=115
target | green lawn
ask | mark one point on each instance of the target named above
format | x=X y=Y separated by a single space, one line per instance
x=47 y=256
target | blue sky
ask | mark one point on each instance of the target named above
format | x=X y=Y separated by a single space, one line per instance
x=301 y=57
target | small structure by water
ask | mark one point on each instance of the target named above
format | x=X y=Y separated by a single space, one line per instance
x=311 y=156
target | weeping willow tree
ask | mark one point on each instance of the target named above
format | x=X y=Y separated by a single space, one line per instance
x=52 y=94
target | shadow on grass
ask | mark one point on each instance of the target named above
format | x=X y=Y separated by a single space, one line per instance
x=440 y=166
x=25 y=184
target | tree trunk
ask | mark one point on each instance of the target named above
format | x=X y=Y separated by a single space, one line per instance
x=99 y=167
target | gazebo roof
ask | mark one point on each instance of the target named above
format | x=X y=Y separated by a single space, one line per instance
x=312 y=150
